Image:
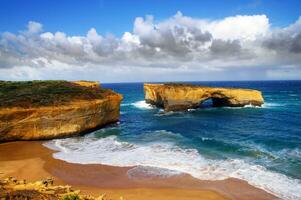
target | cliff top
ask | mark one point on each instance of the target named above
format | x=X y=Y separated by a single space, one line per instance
x=175 y=84
x=27 y=94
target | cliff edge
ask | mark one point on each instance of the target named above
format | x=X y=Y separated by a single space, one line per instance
x=34 y=110
x=179 y=97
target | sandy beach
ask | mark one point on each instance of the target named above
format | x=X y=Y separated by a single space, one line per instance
x=32 y=161
x=150 y=100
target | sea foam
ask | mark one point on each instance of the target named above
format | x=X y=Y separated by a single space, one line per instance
x=153 y=158
x=142 y=105
x=271 y=105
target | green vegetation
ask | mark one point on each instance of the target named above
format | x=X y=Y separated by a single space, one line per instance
x=72 y=196
x=180 y=84
x=44 y=93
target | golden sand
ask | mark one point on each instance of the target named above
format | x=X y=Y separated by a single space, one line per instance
x=32 y=161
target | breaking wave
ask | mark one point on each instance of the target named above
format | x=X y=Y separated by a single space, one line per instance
x=167 y=159
x=142 y=105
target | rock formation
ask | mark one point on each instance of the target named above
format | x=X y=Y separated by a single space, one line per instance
x=92 y=84
x=77 y=113
x=179 y=97
x=11 y=188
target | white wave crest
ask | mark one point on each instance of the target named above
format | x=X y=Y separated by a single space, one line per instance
x=125 y=104
x=205 y=138
x=150 y=172
x=251 y=106
x=270 y=105
x=142 y=105
x=110 y=151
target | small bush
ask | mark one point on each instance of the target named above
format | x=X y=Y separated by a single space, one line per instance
x=72 y=196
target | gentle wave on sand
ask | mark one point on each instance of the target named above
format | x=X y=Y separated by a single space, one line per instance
x=167 y=159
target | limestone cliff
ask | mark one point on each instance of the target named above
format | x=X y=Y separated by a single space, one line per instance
x=78 y=113
x=92 y=84
x=177 y=97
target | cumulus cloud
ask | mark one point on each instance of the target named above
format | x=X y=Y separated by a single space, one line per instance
x=34 y=27
x=225 y=47
x=287 y=39
x=177 y=45
x=170 y=37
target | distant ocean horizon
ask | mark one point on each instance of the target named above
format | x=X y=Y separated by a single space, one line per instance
x=261 y=145
x=198 y=82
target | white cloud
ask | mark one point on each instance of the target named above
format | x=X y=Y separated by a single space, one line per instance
x=177 y=45
x=239 y=27
x=34 y=27
x=47 y=36
x=93 y=36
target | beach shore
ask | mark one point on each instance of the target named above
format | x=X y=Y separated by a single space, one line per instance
x=32 y=161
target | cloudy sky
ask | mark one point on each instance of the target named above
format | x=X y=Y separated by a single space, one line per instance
x=154 y=40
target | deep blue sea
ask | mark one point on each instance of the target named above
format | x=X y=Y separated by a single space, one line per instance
x=261 y=145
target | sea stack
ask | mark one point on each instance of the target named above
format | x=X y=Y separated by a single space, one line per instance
x=35 y=110
x=180 y=97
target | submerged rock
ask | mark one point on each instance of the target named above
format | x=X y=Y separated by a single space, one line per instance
x=51 y=109
x=180 y=97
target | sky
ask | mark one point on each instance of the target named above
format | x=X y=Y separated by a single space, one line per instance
x=150 y=40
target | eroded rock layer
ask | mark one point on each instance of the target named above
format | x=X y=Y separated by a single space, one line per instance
x=179 y=97
x=11 y=188
x=54 y=121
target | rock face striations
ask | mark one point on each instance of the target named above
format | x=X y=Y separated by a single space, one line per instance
x=179 y=97
x=51 y=109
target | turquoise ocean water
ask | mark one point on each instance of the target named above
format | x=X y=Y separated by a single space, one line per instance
x=259 y=145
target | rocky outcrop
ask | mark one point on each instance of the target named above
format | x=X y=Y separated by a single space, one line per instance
x=54 y=121
x=11 y=188
x=178 y=97
x=92 y=84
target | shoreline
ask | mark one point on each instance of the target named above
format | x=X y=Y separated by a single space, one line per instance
x=32 y=161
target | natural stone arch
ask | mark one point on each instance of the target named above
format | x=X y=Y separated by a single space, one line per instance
x=173 y=97
x=214 y=102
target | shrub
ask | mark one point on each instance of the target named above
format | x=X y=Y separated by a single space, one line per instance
x=44 y=93
x=71 y=196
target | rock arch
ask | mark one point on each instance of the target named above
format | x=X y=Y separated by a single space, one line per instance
x=177 y=97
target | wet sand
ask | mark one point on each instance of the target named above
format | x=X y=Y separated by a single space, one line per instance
x=32 y=161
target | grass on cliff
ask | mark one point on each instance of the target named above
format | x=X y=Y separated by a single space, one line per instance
x=44 y=93
x=180 y=84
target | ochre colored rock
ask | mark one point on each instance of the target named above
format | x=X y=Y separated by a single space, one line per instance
x=11 y=188
x=179 y=97
x=92 y=84
x=55 y=121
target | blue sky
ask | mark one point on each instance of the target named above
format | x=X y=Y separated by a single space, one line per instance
x=76 y=17
x=150 y=40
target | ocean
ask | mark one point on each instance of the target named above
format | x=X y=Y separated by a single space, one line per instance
x=261 y=145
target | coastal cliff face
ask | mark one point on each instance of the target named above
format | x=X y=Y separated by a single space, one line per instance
x=60 y=120
x=177 y=97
